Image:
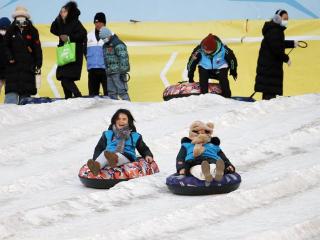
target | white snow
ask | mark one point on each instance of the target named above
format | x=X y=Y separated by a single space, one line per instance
x=273 y=144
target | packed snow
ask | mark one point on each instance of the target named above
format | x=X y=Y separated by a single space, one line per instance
x=273 y=144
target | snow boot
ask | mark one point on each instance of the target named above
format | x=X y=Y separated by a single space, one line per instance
x=94 y=167
x=112 y=158
x=205 y=168
x=219 y=170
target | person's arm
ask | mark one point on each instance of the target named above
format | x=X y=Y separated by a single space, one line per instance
x=37 y=50
x=100 y=147
x=122 y=52
x=193 y=61
x=7 y=45
x=232 y=62
x=143 y=149
x=180 y=160
x=54 y=28
x=229 y=168
x=289 y=44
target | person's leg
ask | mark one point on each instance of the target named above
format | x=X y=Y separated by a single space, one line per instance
x=93 y=82
x=203 y=80
x=268 y=96
x=122 y=87
x=71 y=86
x=112 y=89
x=66 y=90
x=222 y=76
x=11 y=98
x=102 y=76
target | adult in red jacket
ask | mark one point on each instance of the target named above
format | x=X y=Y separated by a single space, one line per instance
x=269 y=78
x=68 y=28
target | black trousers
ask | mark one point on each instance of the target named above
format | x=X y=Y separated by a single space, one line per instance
x=70 y=89
x=97 y=76
x=219 y=74
x=189 y=164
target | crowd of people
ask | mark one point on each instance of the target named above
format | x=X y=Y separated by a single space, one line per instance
x=108 y=59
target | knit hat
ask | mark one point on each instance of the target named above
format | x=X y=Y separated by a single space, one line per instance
x=100 y=17
x=21 y=12
x=105 y=33
x=209 y=43
x=4 y=23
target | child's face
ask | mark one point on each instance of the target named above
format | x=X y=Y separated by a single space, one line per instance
x=122 y=121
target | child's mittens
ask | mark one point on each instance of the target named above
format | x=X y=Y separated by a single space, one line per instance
x=198 y=150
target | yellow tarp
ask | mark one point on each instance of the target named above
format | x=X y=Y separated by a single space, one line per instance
x=152 y=44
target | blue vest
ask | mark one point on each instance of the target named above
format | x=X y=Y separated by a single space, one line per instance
x=129 y=146
x=94 y=52
x=210 y=151
x=213 y=62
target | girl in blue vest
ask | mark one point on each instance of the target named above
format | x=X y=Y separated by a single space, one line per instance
x=214 y=59
x=117 y=145
x=200 y=148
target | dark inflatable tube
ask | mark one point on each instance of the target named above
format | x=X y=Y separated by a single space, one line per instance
x=189 y=185
x=186 y=89
x=109 y=177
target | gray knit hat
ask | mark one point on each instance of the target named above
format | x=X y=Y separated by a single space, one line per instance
x=105 y=33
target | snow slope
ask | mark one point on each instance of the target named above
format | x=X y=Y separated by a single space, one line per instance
x=274 y=145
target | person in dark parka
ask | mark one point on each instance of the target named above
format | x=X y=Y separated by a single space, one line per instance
x=269 y=78
x=4 y=24
x=24 y=56
x=68 y=28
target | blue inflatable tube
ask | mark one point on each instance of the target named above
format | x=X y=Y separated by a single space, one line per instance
x=189 y=185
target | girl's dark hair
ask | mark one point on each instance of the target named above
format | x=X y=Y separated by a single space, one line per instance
x=129 y=115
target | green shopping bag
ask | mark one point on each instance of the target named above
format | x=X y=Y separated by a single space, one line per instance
x=66 y=53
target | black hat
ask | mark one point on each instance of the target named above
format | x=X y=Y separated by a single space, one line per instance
x=100 y=17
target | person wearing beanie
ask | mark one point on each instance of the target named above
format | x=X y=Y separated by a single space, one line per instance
x=269 y=72
x=214 y=59
x=116 y=60
x=95 y=63
x=24 y=57
x=4 y=24
x=68 y=28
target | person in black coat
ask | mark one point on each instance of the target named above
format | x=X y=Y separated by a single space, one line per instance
x=24 y=56
x=269 y=78
x=68 y=28
x=4 y=24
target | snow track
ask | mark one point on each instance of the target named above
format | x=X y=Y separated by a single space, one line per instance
x=274 y=145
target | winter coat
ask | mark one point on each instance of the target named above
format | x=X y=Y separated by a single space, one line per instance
x=134 y=142
x=269 y=78
x=25 y=49
x=3 y=58
x=116 y=56
x=183 y=153
x=77 y=34
x=223 y=57
x=94 y=52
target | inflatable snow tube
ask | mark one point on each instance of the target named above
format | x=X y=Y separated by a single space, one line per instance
x=189 y=185
x=186 y=89
x=109 y=177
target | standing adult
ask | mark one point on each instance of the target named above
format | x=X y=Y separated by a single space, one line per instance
x=24 y=56
x=68 y=28
x=95 y=62
x=269 y=78
x=4 y=24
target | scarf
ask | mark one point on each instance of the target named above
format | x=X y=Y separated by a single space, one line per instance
x=122 y=134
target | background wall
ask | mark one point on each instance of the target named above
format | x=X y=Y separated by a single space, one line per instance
x=159 y=48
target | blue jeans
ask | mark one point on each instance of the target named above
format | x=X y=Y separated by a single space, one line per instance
x=11 y=98
x=117 y=86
